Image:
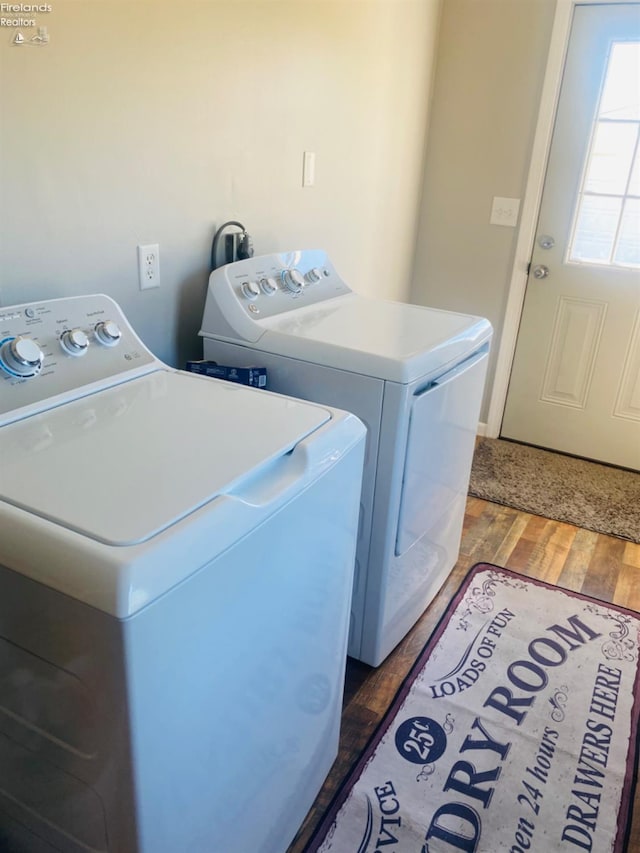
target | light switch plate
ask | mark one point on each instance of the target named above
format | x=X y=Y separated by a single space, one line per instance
x=504 y=211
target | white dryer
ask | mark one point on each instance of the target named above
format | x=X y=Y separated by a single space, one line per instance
x=176 y=564
x=413 y=375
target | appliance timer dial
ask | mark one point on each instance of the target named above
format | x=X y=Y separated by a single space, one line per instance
x=268 y=286
x=108 y=333
x=21 y=356
x=250 y=290
x=74 y=342
x=293 y=280
x=313 y=275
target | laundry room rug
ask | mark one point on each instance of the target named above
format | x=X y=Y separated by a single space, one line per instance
x=516 y=730
x=587 y=494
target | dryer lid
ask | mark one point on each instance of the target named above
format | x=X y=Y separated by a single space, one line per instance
x=388 y=340
x=126 y=463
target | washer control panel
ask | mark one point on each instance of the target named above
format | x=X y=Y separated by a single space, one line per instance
x=58 y=346
x=268 y=285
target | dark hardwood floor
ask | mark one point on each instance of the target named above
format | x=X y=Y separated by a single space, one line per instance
x=602 y=566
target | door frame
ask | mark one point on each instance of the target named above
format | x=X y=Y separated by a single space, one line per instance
x=532 y=198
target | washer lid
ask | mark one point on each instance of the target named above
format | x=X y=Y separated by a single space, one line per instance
x=125 y=463
x=389 y=340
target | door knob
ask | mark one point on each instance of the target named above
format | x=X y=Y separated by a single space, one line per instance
x=540 y=271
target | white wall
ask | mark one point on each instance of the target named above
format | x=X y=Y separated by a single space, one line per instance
x=490 y=67
x=152 y=121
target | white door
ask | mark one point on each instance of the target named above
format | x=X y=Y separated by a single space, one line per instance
x=575 y=382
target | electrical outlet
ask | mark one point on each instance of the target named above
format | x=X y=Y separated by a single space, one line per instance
x=504 y=211
x=149 y=266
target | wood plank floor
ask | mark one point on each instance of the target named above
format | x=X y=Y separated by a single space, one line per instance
x=602 y=566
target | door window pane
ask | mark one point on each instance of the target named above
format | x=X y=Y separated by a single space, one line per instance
x=607 y=221
x=596 y=228
x=628 y=248
x=621 y=92
x=634 y=181
x=611 y=156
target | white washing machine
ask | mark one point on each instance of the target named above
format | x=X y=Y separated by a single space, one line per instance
x=176 y=564
x=413 y=375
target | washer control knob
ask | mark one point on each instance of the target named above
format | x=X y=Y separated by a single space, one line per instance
x=268 y=286
x=293 y=280
x=21 y=356
x=313 y=275
x=108 y=333
x=250 y=290
x=74 y=342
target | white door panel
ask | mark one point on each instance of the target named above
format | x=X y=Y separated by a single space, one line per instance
x=575 y=382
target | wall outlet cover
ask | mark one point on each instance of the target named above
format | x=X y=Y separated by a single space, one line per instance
x=149 y=266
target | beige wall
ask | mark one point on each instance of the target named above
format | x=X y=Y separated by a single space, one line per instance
x=490 y=66
x=151 y=121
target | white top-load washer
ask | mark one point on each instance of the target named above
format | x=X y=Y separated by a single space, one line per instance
x=413 y=375
x=176 y=562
